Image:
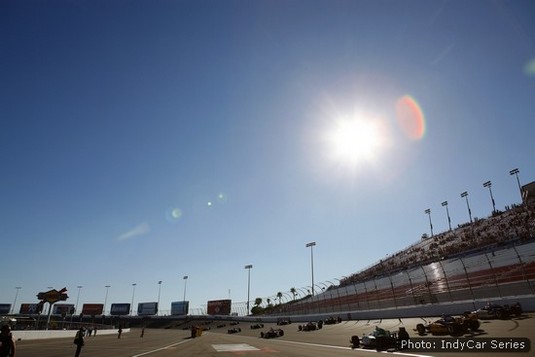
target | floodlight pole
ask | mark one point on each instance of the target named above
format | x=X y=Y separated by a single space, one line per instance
x=465 y=195
x=311 y=245
x=133 y=293
x=16 y=296
x=428 y=212
x=185 y=286
x=488 y=184
x=159 y=291
x=515 y=172
x=445 y=204
x=248 y=267
x=105 y=299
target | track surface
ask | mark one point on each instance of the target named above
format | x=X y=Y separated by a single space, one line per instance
x=332 y=340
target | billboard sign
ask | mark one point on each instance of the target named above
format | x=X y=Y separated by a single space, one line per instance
x=92 y=309
x=120 y=309
x=5 y=309
x=179 y=307
x=63 y=309
x=147 y=308
x=29 y=309
x=219 y=307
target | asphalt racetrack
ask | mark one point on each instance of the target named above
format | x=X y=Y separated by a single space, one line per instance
x=331 y=340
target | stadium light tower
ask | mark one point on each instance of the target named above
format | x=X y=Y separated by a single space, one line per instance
x=488 y=184
x=445 y=204
x=185 y=286
x=133 y=293
x=159 y=291
x=16 y=296
x=465 y=195
x=78 y=298
x=428 y=212
x=515 y=172
x=106 y=299
x=248 y=267
x=311 y=245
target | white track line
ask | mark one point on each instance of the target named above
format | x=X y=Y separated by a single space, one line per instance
x=162 y=348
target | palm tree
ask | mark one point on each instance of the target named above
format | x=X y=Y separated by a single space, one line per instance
x=279 y=296
x=258 y=301
x=294 y=292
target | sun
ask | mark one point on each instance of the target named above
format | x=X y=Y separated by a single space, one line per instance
x=353 y=141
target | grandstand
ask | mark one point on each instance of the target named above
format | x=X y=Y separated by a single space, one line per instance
x=489 y=259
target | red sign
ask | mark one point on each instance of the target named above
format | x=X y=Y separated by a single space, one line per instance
x=219 y=307
x=92 y=309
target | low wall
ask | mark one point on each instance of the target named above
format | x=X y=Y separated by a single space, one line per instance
x=42 y=334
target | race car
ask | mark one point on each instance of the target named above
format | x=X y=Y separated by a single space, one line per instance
x=257 y=326
x=495 y=311
x=516 y=309
x=234 y=330
x=282 y=322
x=309 y=326
x=272 y=333
x=332 y=320
x=380 y=339
x=449 y=325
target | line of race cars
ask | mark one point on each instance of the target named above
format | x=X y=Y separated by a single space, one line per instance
x=381 y=339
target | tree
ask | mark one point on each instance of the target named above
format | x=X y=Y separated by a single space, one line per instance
x=258 y=301
x=294 y=292
x=279 y=296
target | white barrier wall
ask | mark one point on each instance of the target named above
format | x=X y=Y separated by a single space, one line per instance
x=40 y=334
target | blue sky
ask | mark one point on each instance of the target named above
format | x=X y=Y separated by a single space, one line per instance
x=142 y=141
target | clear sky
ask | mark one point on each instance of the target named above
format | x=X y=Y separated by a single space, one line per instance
x=141 y=141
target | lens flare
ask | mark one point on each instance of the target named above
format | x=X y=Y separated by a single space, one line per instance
x=530 y=68
x=410 y=117
x=173 y=214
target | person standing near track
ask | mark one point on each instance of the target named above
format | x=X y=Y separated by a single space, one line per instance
x=79 y=341
x=7 y=345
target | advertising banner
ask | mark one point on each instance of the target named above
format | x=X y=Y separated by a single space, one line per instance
x=179 y=307
x=147 y=308
x=219 y=307
x=120 y=309
x=5 y=309
x=30 y=309
x=92 y=309
x=63 y=309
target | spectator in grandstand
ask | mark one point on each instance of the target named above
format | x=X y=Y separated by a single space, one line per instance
x=7 y=345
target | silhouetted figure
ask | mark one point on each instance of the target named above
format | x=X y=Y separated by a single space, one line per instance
x=142 y=332
x=79 y=341
x=7 y=345
x=120 y=332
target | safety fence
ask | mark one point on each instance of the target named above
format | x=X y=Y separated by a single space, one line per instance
x=494 y=274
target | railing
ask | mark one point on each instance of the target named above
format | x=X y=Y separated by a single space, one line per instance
x=496 y=274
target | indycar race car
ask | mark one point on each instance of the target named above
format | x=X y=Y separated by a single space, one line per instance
x=332 y=320
x=283 y=322
x=449 y=325
x=495 y=311
x=309 y=326
x=272 y=333
x=234 y=330
x=257 y=326
x=380 y=339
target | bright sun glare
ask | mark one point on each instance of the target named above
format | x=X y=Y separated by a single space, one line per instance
x=354 y=141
